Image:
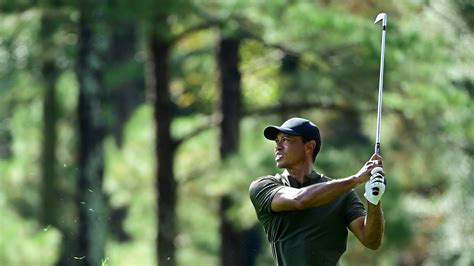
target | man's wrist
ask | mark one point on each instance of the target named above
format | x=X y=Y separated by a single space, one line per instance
x=357 y=180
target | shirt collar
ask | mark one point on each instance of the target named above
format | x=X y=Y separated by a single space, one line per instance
x=291 y=181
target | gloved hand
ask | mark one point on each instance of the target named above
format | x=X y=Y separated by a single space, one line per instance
x=375 y=186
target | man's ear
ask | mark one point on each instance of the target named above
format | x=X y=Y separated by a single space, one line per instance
x=311 y=145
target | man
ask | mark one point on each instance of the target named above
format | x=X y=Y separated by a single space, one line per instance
x=305 y=214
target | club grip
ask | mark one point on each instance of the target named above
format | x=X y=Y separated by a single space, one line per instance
x=376 y=172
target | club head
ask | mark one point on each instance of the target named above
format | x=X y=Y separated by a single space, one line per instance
x=383 y=17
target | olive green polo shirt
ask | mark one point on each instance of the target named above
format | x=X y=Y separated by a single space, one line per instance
x=314 y=236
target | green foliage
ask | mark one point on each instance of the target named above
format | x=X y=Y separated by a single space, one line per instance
x=21 y=170
x=17 y=44
x=235 y=174
x=23 y=242
x=198 y=240
x=131 y=166
x=466 y=9
x=10 y=6
x=128 y=180
x=260 y=74
x=193 y=67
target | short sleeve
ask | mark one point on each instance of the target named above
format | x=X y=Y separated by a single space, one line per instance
x=354 y=207
x=261 y=193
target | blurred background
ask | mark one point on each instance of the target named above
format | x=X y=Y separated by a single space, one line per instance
x=131 y=130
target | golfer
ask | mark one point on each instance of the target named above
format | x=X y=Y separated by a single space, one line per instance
x=306 y=215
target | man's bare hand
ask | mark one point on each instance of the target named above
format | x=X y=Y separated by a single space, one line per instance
x=364 y=173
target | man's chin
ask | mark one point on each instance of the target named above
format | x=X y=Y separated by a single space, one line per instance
x=280 y=165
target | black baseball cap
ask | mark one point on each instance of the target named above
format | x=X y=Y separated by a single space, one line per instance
x=297 y=127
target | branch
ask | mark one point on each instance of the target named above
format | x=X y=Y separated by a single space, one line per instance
x=213 y=120
x=296 y=107
x=244 y=31
x=247 y=27
x=203 y=26
x=197 y=173
x=216 y=118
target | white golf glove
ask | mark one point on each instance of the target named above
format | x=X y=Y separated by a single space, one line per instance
x=375 y=186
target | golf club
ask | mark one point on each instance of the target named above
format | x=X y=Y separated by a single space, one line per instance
x=383 y=17
x=376 y=171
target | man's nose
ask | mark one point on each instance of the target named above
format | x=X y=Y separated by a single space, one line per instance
x=278 y=144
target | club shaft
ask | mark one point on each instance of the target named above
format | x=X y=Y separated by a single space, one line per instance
x=379 y=105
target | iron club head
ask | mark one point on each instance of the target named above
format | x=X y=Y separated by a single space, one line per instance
x=383 y=17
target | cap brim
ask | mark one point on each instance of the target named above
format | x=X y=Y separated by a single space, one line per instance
x=271 y=132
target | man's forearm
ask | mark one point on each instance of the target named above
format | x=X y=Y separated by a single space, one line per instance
x=374 y=226
x=322 y=193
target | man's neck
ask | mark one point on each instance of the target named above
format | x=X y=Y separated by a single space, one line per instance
x=300 y=172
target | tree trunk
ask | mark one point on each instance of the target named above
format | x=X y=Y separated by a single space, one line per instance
x=54 y=202
x=165 y=148
x=230 y=98
x=91 y=200
x=128 y=91
x=125 y=93
x=289 y=82
x=232 y=239
x=344 y=124
x=49 y=71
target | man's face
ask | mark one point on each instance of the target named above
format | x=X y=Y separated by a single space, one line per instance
x=289 y=150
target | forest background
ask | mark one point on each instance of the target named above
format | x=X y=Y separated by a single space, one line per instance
x=131 y=130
